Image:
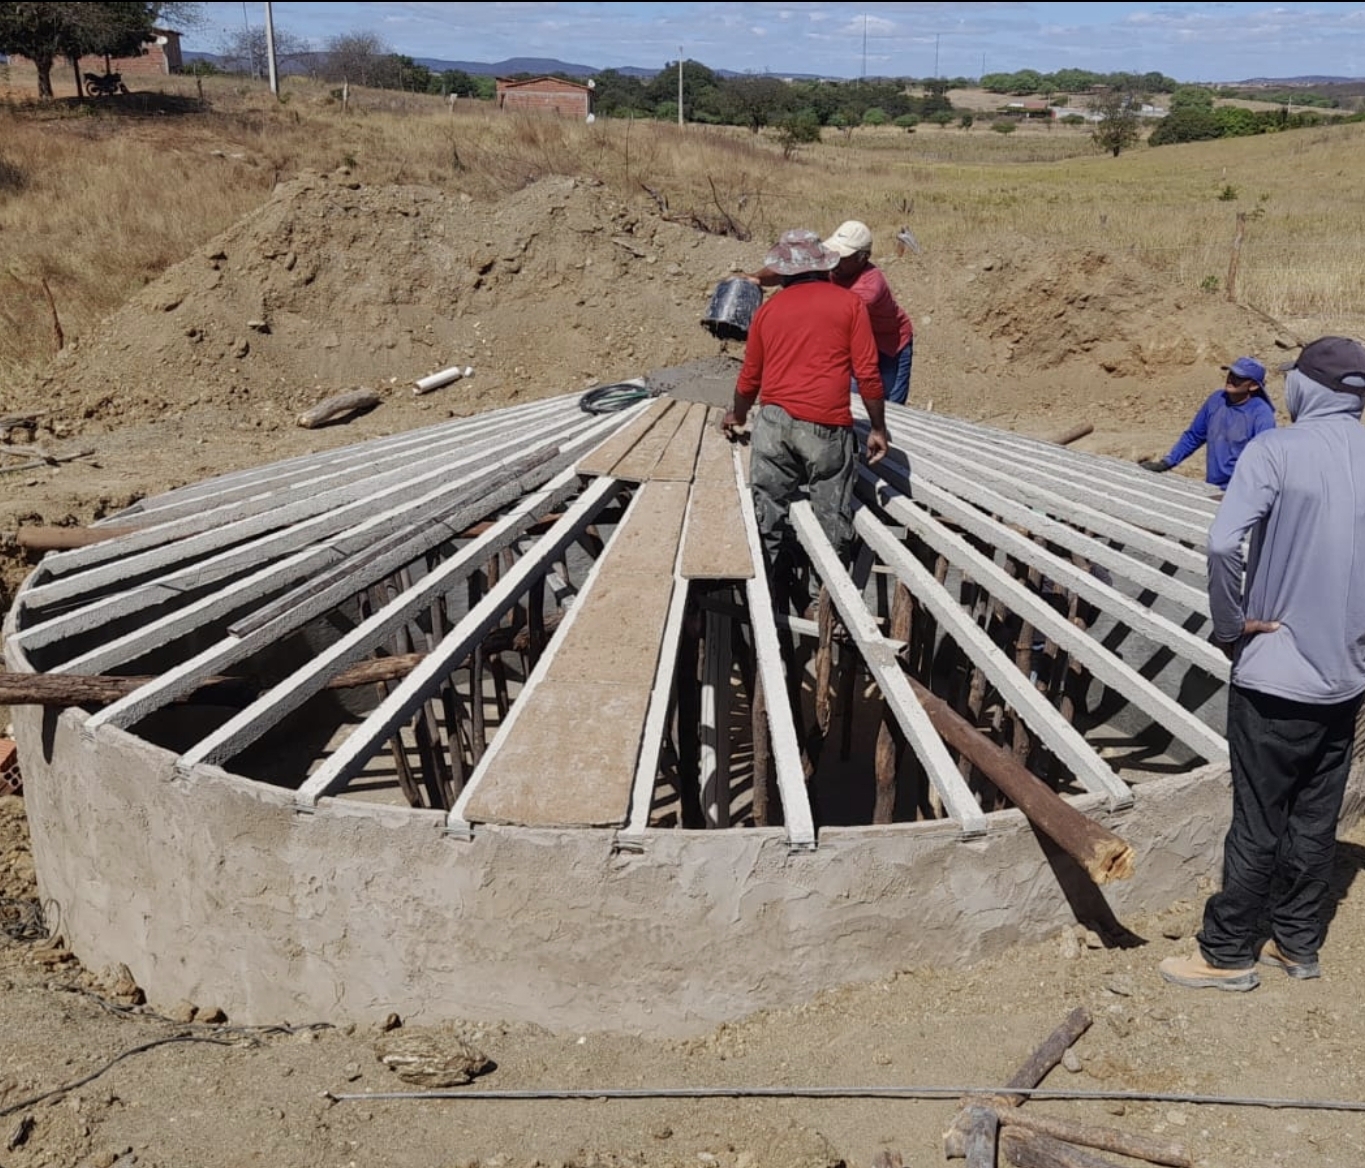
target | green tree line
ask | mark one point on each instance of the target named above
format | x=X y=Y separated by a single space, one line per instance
x=1031 y=83
x=1193 y=117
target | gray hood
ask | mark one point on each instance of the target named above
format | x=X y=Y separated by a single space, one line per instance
x=1307 y=400
x=1298 y=493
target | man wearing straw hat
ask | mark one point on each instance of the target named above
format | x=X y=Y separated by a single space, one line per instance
x=804 y=345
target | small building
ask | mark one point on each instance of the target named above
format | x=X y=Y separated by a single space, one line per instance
x=552 y=95
x=1030 y=108
x=160 y=56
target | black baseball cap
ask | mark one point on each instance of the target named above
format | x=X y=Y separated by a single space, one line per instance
x=1336 y=362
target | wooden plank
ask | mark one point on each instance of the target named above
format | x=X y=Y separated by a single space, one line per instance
x=542 y=769
x=1164 y=710
x=555 y=773
x=1063 y=739
x=351 y=756
x=647 y=764
x=715 y=544
x=606 y=456
x=638 y=464
x=772 y=672
x=678 y=462
x=883 y=664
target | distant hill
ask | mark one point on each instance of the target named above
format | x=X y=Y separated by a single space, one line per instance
x=508 y=68
x=514 y=65
x=546 y=65
x=1297 y=81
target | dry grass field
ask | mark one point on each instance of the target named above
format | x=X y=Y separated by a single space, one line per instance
x=95 y=201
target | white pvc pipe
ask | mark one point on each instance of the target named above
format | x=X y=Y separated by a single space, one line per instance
x=444 y=377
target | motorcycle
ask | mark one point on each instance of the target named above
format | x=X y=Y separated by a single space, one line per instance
x=104 y=85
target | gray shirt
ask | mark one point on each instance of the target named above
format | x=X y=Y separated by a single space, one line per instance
x=1299 y=493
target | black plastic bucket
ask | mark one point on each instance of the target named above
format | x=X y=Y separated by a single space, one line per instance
x=732 y=308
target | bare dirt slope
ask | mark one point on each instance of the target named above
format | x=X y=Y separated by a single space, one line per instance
x=334 y=286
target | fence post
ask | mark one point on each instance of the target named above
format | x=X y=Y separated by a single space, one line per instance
x=1236 y=259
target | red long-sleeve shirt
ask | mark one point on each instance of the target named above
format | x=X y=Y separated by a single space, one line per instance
x=891 y=325
x=805 y=343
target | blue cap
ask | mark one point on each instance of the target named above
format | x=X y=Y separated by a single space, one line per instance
x=1249 y=368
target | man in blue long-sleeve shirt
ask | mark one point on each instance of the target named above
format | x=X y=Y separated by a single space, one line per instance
x=1225 y=423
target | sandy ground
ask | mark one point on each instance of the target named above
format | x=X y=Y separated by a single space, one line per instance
x=334 y=286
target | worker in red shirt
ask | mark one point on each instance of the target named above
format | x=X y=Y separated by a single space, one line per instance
x=892 y=328
x=804 y=345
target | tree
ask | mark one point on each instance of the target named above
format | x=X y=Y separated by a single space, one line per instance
x=457 y=82
x=797 y=130
x=246 y=51
x=1118 y=127
x=47 y=32
x=1191 y=97
x=700 y=92
x=1189 y=123
x=357 y=57
x=755 y=101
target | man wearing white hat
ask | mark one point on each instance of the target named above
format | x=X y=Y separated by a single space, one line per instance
x=892 y=330
x=891 y=327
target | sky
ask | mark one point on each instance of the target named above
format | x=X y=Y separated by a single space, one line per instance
x=1189 y=42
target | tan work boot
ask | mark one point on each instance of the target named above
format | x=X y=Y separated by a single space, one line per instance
x=1196 y=973
x=1271 y=954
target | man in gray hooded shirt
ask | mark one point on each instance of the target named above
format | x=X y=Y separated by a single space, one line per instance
x=1292 y=618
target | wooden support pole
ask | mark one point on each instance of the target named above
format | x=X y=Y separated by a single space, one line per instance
x=983 y=1123
x=890 y=741
x=1048 y=1054
x=764 y=777
x=1077 y=432
x=57 y=539
x=1026 y=1149
x=342 y=406
x=1102 y=854
x=824 y=662
x=1035 y=1069
x=1106 y=1139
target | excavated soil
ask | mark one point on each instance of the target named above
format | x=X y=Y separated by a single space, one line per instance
x=334 y=286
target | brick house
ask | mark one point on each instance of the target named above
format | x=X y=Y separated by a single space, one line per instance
x=161 y=56
x=551 y=95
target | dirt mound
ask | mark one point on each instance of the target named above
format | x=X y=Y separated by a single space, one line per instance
x=1082 y=333
x=333 y=285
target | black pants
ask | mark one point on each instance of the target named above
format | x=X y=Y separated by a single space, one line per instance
x=1290 y=761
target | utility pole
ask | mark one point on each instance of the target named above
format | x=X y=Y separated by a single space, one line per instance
x=680 y=109
x=936 y=36
x=864 y=73
x=270 y=50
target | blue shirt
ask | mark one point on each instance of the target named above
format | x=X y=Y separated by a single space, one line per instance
x=1226 y=429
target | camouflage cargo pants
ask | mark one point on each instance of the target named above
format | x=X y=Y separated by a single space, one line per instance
x=792 y=460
